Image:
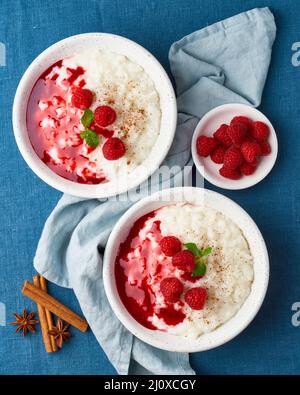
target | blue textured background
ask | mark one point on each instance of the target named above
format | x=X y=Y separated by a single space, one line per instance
x=270 y=344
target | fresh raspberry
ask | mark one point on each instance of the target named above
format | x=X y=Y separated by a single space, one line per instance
x=113 y=148
x=104 y=116
x=218 y=155
x=170 y=245
x=237 y=132
x=237 y=145
x=260 y=131
x=221 y=135
x=265 y=148
x=229 y=173
x=184 y=260
x=247 y=169
x=250 y=151
x=233 y=158
x=195 y=298
x=205 y=145
x=104 y=132
x=171 y=288
x=253 y=163
x=242 y=119
x=82 y=98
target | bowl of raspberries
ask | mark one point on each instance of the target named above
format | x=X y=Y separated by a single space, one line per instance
x=234 y=146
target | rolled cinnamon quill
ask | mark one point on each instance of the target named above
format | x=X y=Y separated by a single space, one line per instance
x=49 y=303
x=43 y=320
x=43 y=286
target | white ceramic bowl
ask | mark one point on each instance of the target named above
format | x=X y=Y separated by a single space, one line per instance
x=137 y=54
x=210 y=123
x=249 y=309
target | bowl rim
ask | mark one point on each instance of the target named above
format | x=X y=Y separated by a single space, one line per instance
x=140 y=174
x=145 y=334
x=220 y=181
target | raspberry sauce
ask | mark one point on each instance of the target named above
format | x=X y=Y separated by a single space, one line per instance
x=139 y=268
x=54 y=126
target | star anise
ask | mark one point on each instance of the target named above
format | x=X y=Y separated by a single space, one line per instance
x=26 y=322
x=60 y=333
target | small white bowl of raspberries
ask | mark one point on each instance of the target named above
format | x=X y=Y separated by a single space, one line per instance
x=234 y=146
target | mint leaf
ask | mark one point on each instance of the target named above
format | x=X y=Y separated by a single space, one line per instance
x=206 y=251
x=90 y=137
x=200 y=265
x=192 y=247
x=87 y=118
x=200 y=268
x=195 y=250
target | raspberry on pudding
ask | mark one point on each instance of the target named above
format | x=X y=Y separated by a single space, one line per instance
x=184 y=260
x=184 y=270
x=113 y=149
x=93 y=117
x=81 y=98
x=170 y=245
x=104 y=116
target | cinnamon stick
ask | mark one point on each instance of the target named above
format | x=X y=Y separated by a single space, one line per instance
x=43 y=286
x=48 y=302
x=43 y=320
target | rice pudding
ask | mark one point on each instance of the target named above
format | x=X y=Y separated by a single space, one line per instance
x=184 y=269
x=93 y=116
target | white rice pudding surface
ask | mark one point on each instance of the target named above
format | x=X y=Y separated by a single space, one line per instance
x=129 y=90
x=229 y=274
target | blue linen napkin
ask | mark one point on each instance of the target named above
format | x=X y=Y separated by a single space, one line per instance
x=223 y=63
